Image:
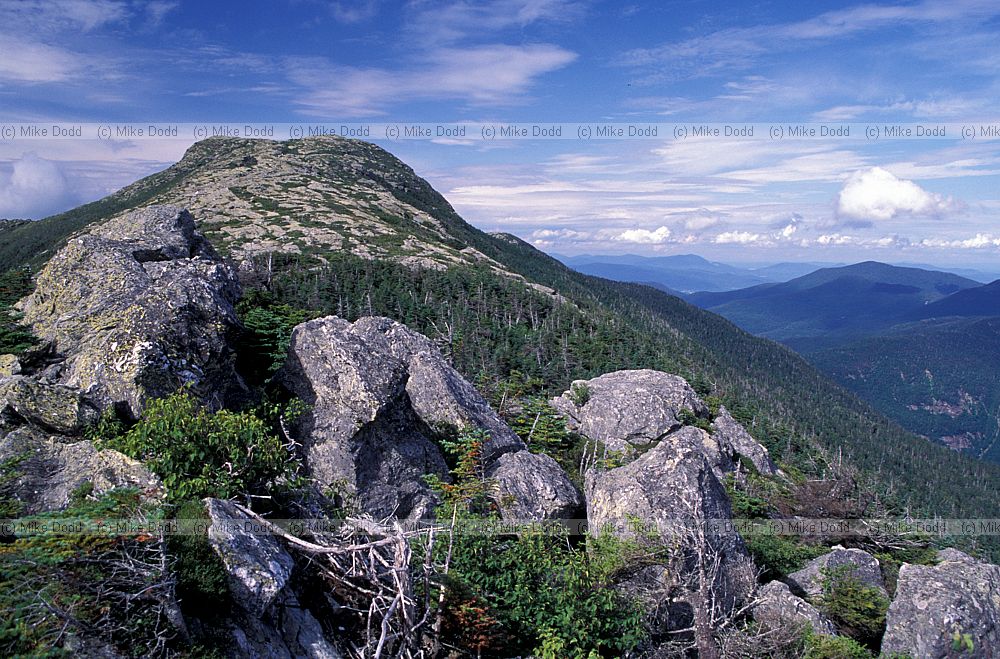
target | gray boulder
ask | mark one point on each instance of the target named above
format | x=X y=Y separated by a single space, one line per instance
x=137 y=307
x=361 y=436
x=630 y=411
x=736 y=441
x=378 y=394
x=627 y=409
x=259 y=568
x=269 y=621
x=933 y=603
x=777 y=608
x=439 y=395
x=857 y=562
x=667 y=489
x=55 y=408
x=47 y=470
x=534 y=487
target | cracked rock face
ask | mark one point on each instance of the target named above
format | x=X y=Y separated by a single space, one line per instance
x=534 y=487
x=736 y=441
x=672 y=483
x=52 y=407
x=627 y=409
x=137 y=307
x=379 y=394
x=259 y=568
x=934 y=602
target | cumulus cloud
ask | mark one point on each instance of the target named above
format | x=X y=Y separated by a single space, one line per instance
x=979 y=241
x=737 y=237
x=876 y=194
x=644 y=236
x=35 y=188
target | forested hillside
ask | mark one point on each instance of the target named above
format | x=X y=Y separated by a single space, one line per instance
x=495 y=304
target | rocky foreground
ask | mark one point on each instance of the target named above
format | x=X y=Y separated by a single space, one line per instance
x=141 y=305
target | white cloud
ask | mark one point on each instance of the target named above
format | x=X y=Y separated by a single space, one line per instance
x=35 y=188
x=29 y=61
x=876 y=194
x=55 y=15
x=735 y=48
x=979 y=241
x=788 y=231
x=494 y=74
x=644 y=236
x=737 y=237
x=442 y=23
x=356 y=11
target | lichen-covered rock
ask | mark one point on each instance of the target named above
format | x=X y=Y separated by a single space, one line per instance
x=9 y=365
x=360 y=435
x=439 y=395
x=379 y=394
x=56 y=408
x=672 y=483
x=737 y=441
x=534 y=487
x=628 y=409
x=777 y=608
x=139 y=306
x=259 y=567
x=934 y=603
x=48 y=470
x=856 y=562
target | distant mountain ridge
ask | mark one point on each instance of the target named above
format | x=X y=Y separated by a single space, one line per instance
x=971 y=302
x=852 y=300
x=919 y=345
x=686 y=273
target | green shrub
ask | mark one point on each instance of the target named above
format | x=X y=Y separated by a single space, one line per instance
x=857 y=608
x=199 y=453
x=534 y=592
x=269 y=326
x=202 y=581
x=687 y=417
x=550 y=598
x=779 y=555
x=579 y=393
x=108 y=585
x=821 y=646
x=14 y=337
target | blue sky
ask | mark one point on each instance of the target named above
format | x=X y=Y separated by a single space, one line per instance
x=553 y=61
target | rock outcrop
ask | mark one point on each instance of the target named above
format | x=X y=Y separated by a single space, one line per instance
x=269 y=619
x=736 y=441
x=777 y=608
x=47 y=471
x=534 y=487
x=665 y=486
x=957 y=600
x=137 y=307
x=52 y=407
x=626 y=410
x=666 y=490
x=379 y=394
x=855 y=562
